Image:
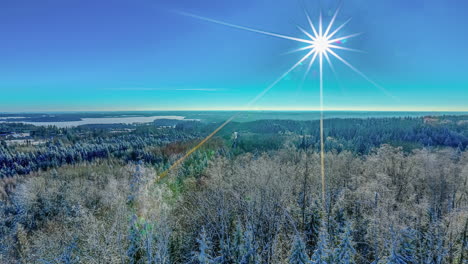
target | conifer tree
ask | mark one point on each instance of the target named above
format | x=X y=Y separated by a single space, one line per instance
x=203 y=255
x=345 y=253
x=237 y=244
x=249 y=249
x=134 y=239
x=322 y=252
x=402 y=250
x=298 y=252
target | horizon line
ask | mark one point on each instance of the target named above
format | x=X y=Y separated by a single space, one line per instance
x=237 y=110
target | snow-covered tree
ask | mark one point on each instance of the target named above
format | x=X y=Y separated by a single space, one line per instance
x=402 y=250
x=203 y=254
x=298 y=253
x=345 y=253
x=322 y=252
x=249 y=249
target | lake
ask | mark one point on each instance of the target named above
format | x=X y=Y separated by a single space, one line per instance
x=104 y=120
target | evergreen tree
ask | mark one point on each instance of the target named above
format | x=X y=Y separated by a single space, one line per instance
x=395 y=257
x=312 y=228
x=432 y=249
x=249 y=249
x=403 y=249
x=345 y=253
x=322 y=252
x=134 y=239
x=203 y=255
x=408 y=245
x=298 y=253
x=237 y=244
x=135 y=183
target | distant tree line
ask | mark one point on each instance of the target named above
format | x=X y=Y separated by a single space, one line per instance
x=55 y=154
x=356 y=135
x=360 y=136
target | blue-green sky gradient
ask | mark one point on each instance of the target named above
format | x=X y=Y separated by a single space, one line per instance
x=83 y=55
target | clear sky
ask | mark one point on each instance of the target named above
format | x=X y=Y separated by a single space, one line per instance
x=143 y=55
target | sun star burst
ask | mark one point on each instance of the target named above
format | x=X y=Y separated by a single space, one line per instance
x=320 y=43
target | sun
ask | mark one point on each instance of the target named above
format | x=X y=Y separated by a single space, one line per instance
x=321 y=44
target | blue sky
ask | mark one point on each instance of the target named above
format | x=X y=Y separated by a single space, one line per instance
x=87 y=55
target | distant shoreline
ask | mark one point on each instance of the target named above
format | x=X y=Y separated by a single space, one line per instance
x=74 y=119
x=229 y=110
x=75 y=122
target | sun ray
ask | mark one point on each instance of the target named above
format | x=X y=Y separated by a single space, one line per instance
x=339 y=28
x=306 y=33
x=320 y=25
x=361 y=74
x=330 y=25
x=244 y=28
x=309 y=67
x=181 y=160
x=344 y=48
x=322 y=141
x=345 y=37
x=253 y=101
x=306 y=73
x=329 y=62
x=300 y=49
x=311 y=24
x=312 y=62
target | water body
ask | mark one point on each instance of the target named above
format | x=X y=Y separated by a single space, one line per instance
x=11 y=117
x=82 y=118
x=104 y=120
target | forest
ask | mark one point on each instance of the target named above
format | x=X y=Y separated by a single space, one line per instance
x=396 y=193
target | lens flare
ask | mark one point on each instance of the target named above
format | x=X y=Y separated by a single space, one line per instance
x=320 y=43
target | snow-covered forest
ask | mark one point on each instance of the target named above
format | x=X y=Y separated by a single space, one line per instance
x=396 y=192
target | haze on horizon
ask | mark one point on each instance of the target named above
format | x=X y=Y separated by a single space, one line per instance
x=120 y=55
